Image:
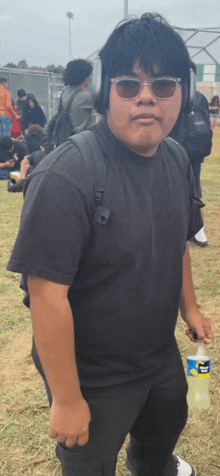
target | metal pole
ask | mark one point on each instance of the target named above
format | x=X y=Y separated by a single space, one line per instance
x=70 y=16
x=70 y=54
x=125 y=9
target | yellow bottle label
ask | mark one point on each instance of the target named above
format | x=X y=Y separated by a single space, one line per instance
x=198 y=368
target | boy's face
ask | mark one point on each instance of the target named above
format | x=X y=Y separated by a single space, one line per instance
x=143 y=122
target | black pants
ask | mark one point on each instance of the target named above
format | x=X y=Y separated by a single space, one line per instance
x=154 y=413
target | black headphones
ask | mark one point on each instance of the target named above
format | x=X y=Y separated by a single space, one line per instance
x=100 y=87
x=189 y=92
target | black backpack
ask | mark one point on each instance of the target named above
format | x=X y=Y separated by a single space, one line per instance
x=193 y=130
x=60 y=128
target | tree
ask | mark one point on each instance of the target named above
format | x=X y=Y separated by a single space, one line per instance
x=51 y=68
x=60 y=69
x=55 y=69
x=22 y=64
x=37 y=68
x=10 y=65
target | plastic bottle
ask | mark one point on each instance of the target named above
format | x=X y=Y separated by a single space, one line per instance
x=198 y=376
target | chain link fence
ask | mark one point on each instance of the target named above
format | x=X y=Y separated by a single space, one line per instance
x=45 y=86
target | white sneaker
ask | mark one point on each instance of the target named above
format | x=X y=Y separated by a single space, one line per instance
x=15 y=176
x=200 y=238
x=181 y=468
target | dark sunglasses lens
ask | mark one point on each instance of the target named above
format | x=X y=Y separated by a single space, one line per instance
x=127 y=88
x=163 y=88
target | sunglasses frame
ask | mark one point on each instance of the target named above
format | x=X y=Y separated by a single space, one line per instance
x=148 y=83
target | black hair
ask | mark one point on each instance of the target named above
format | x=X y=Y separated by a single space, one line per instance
x=76 y=72
x=33 y=137
x=149 y=40
x=6 y=142
x=21 y=93
x=3 y=80
x=31 y=97
x=215 y=101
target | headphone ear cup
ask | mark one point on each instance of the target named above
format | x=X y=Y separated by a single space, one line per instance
x=100 y=86
x=96 y=81
x=188 y=92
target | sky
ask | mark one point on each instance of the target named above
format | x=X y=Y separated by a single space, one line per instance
x=38 y=31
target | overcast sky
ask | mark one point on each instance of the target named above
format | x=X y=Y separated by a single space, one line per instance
x=38 y=31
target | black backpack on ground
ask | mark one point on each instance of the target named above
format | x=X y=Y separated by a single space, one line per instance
x=193 y=130
x=60 y=128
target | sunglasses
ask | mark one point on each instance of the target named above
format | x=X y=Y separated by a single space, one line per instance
x=162 y=88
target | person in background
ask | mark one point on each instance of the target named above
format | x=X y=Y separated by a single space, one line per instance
x=16 y=132
x=27 y=165
x=35 y=113
x=193 y=131
x=11 y=154
x=33 y=137
x=6 y=111
x=107 y=264
x=22 y=105
x=30 y=161
x=214 y=111
x=76 y=79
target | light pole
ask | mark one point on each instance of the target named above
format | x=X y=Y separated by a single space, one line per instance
x=70 y=16
x=125 y=9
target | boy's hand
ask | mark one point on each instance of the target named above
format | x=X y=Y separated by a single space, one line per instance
x=69 y=424
x=9 y=163
x=198 y=326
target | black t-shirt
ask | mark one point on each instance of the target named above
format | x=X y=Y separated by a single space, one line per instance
x=36 y=157
x=125 y=276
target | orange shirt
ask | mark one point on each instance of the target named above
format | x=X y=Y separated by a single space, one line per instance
x=5 y=101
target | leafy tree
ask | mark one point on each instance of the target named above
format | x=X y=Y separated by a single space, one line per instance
x=60 y=69
x=55 y=69
x=10 y=65
x=51 y=68
x=22 y=64
x=37 y=68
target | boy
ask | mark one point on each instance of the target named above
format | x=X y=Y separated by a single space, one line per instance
x=105 y=279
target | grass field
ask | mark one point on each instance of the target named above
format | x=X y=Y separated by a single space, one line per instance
x=25 y=446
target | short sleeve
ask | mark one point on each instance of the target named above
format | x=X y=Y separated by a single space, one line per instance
x=31 y=158
x=195 y=220
x=54 y=230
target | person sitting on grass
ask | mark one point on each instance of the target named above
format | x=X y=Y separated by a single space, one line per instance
x=11 y=154
x=33 y=137
x=27 y=165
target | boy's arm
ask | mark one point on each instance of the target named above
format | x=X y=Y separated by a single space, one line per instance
x=189 y=308
x=54 y=337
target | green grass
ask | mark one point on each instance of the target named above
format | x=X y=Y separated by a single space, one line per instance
x=24 y=441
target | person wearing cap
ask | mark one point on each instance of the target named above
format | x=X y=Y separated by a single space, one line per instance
x=103 y=244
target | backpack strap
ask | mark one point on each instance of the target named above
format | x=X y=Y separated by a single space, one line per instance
x=175 y=146
x=90 y=149
x=68 y=104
